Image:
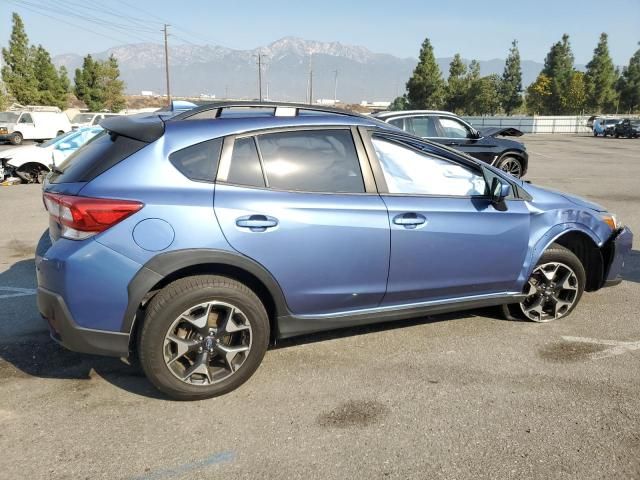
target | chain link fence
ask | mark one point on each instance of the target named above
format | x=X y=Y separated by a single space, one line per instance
x=570 y=124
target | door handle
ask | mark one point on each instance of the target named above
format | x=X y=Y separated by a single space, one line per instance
x=256 y=223
x=409 y=220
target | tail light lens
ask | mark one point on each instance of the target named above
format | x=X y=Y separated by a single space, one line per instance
x=82 y=217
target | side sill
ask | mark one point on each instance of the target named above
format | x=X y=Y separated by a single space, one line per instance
x=292 y=325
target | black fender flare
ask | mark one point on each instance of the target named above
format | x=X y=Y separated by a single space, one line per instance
x=163 y=265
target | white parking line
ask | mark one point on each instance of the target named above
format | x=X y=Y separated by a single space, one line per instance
x=16 y=292
x=616 y=347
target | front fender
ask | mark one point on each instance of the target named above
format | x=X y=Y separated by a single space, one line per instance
x=546 y=229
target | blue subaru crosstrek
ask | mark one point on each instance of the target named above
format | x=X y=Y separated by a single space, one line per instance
x=195 y=242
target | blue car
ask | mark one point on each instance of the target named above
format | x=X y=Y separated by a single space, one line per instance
x=196 y=242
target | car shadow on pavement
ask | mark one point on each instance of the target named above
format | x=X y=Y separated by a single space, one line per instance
x=631 y=269
x=27 y=350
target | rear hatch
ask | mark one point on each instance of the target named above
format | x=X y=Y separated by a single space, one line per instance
x=123 y=136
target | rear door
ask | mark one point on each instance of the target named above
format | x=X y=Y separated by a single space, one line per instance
x=303 y=203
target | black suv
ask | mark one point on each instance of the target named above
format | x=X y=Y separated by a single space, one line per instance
x=627 y=128
x=448 y=129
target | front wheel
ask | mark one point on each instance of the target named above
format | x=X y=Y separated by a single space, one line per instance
x=511 y=164
x=203 y=336
x=16 y=138
x=553 y=289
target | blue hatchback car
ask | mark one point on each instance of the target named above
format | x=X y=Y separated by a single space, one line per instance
x=197 y=241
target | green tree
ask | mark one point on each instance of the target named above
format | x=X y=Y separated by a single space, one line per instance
x=558 y=67
x=51 y=89
x=3 y=99
x=65 y=85
x=426 y=88
x=576 y=94
x=511 y=85
x=399 y=103
x=114 y=100
x=457 y=86
x=18 y=74
x=601 y=79
x=629 y=85
x=538 y=94
x=485 y=96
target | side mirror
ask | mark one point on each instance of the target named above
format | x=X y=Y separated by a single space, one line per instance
x=499 y=190
x=57 y=157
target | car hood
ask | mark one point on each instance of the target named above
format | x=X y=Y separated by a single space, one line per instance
x=27 y=153
x=502 y=131
x=550 y=195
x=8 y=125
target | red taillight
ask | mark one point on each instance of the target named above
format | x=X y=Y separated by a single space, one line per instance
x=82 y=217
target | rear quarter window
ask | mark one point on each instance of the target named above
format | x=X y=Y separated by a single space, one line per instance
x=198 y=162
x=95 y=157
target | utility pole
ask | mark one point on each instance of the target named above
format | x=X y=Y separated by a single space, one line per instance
x=335 y=87
x=311 y=79
x=166 y=62
x=260 y=64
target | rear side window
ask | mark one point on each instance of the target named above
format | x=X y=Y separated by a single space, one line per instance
x=245 y=166
x=198 y=162
x=322 y=161
x=95 y=157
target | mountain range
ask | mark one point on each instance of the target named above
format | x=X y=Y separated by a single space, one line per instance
x=224 y=72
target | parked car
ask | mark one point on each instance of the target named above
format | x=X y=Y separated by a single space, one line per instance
x=33 y=123
x=448 y=129
x=627 y=128
x=32 y=162
x=194 y=244
x=604 y=126
x=86 y=119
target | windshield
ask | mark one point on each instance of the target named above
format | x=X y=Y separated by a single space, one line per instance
x=611 y=121
x=8 y=117
x=53 y=141
x=635 y=123
x=82 y=118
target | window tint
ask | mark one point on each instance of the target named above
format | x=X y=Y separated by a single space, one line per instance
x=95 y=157
x=198 y=162
x=397 y=122
x=311 y=161
x=423 y=126
x=245 y=166
x=26 y=118
x=453 y=128
x=411 y=172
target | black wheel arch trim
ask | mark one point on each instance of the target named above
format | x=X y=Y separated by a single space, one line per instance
x=165 y=264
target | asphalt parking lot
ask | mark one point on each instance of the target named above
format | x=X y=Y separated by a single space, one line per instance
x=465 y=395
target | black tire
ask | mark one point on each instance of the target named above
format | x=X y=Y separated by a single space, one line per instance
x=60 y=132
x=170 y=303
x=511 y=160
x=595 y=134
x=16 y=138
x=554 y=254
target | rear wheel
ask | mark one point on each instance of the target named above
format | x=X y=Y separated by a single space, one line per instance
x=203 y=336
x=511 y=164
x=553 y=289
x=16 y=138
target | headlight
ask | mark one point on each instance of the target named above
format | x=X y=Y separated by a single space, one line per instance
x=611 y=220
x=3 y=130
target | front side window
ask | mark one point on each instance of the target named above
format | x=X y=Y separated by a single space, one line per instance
x=452 y=128
x=323 y=161
x=408 y=171
x=26 y=118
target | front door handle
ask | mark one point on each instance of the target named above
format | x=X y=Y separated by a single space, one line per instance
x=409 y=220
x=256 y=223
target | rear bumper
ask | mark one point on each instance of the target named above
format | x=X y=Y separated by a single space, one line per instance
x=66 y=332
x=619 y=247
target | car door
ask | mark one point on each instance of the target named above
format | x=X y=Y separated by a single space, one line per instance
x=26 y=126
x=303 y=204
x=457 y=134
x=448 y=240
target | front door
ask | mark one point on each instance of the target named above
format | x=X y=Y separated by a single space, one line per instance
x=448 y=241
x=296 y=202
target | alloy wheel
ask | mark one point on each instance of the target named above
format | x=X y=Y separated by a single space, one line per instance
x=512 y=166
x=551 y=292
x=207 y=343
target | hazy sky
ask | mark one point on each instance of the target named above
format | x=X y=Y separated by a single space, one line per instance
x=481 y=29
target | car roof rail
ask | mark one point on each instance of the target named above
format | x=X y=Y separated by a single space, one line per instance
x=280 y=109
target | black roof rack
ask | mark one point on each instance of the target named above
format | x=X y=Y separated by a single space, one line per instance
x=215 y=109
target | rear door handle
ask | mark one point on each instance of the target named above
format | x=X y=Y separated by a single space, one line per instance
x=409 y=220
x=256 y=223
